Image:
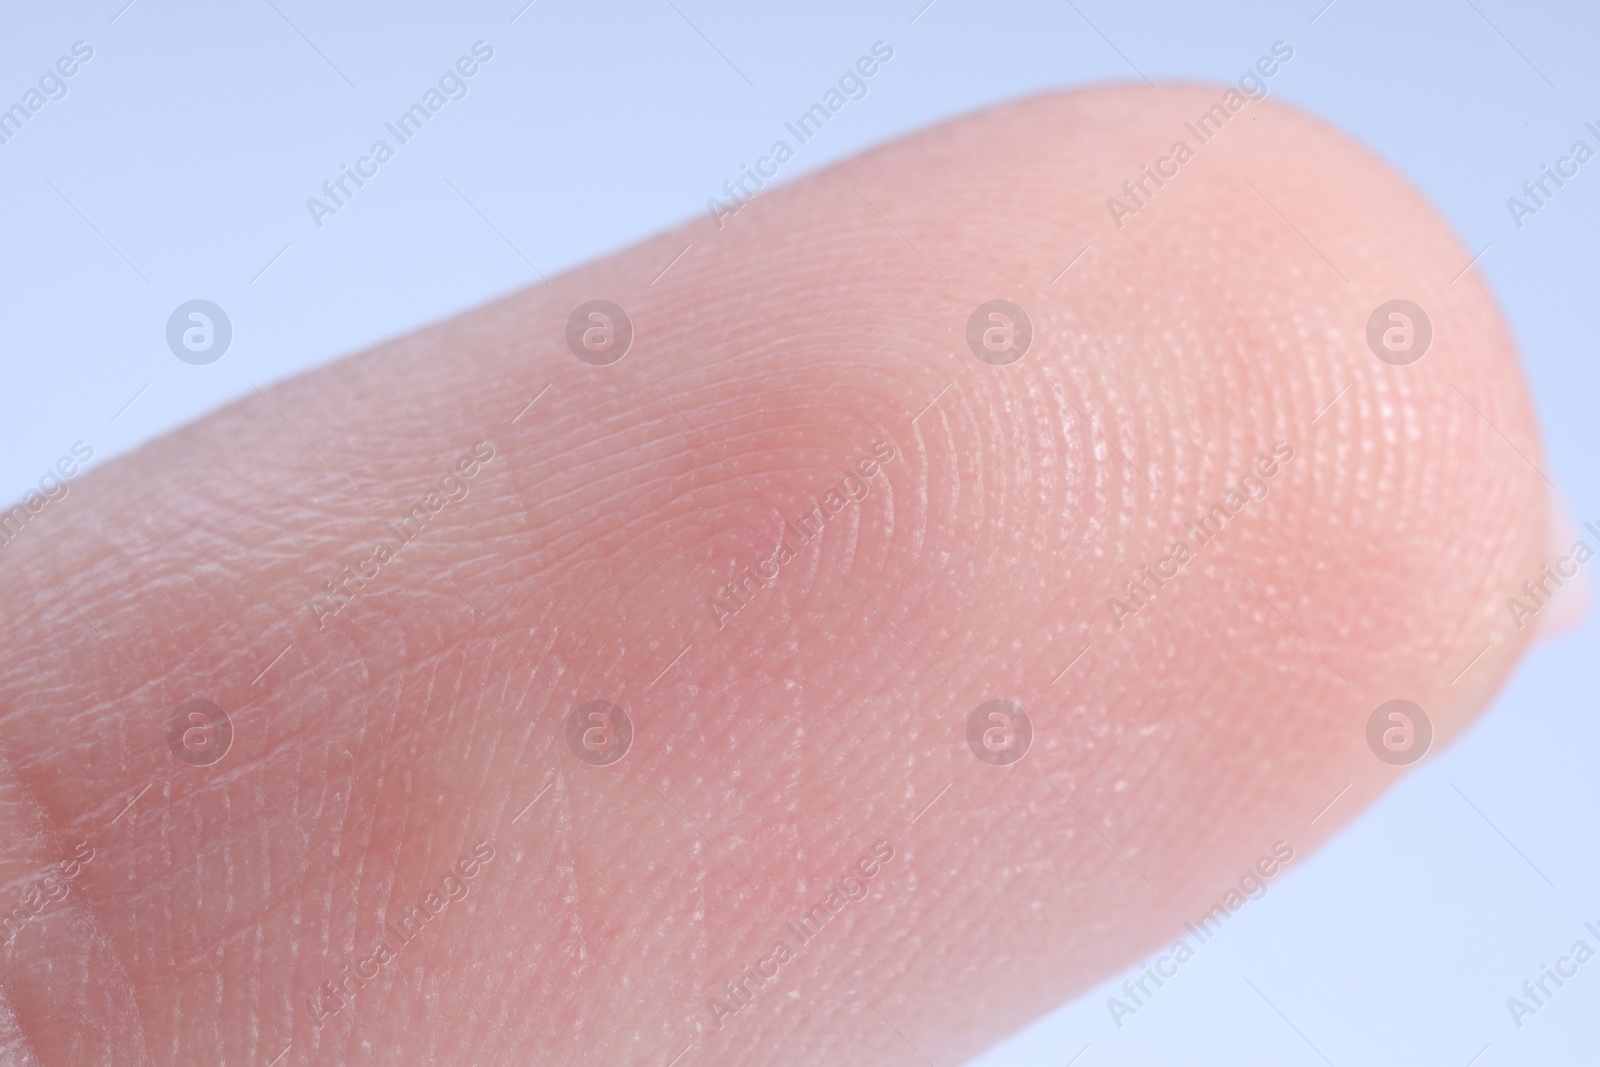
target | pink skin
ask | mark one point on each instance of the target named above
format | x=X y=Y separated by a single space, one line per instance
x=830 y=711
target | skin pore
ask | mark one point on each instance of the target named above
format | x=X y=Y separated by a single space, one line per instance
x=805 y=747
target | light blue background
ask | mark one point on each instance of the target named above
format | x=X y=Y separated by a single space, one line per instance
x=192 y=139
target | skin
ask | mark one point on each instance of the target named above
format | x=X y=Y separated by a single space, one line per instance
x=829 y=713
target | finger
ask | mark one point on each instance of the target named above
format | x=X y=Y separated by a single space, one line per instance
x=799 y=637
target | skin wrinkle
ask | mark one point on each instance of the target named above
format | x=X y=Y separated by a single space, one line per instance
x=824 y=716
